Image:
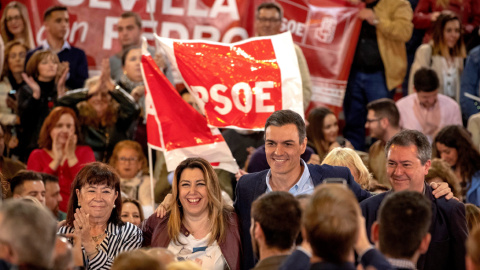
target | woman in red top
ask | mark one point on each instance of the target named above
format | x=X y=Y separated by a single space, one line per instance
x=59 y=153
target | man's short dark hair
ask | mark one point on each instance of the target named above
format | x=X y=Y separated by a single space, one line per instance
x=48 y=178
x=331 y=222
x=23 y=176
x=131 y=14
x=285 y=117
x=270 y=5
x=52 y=9
x=412 y=137
x=279 y=215
x=404 y=219
x=385 y=108
x=425 y=80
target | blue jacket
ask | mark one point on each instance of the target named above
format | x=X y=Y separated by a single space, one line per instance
x=252 y=185
x=449 y=231
x=473 y=193
x=470 y=83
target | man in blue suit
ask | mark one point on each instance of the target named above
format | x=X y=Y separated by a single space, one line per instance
x=285 y=141
x=408 y=161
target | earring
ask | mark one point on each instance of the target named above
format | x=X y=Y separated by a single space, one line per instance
x=79 y=204
x=114 y=206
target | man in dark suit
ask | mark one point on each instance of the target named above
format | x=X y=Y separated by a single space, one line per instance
x=401 y=231
x=276 y=218
x=408 y=161
x=285 y=141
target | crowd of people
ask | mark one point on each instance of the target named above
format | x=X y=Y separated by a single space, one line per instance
x=392 y=183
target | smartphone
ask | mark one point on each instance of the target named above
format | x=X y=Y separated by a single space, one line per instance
x=13 y=94
x=341 y=181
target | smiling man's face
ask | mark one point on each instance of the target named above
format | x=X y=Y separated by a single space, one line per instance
x=283 y=149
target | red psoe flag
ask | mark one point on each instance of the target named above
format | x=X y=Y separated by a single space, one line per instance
x=239 y=85
x=176 y=128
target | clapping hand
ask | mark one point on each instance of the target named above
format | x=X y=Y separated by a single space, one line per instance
x=33 y=85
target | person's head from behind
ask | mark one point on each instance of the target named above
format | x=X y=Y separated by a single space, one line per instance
x=56 y=21
x=402 y=228
x=439 y=172
x=454 y=145
x=132 y=211
x=27 y=234
x=138 y=258
x=322 y=128
x=28 y=183
x=128 y=159
x=408 y=160
x=276 y=218
x=447 y=36
x=129 y=29
x=60 y=126
x=472 y=214
x=63 y=254
x=197 y=194
x=331 y=222
x=52 y=192
x=285 y=141
x=15 y=55
x=382 y=114
x=43 y=65
x=162 y=255
x=184 y=265
x=349 y=158
x=268 y=19
x=96 y=189
x=426 y=83
x=131 y=59
x=472 y=261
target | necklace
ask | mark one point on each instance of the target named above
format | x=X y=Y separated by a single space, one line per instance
x=98 y=237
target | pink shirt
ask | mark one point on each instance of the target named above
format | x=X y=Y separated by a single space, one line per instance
x=449 y=113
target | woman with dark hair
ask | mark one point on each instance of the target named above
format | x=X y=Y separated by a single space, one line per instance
x=132 y=211
x=105 y=111
x=94 y=218
x=59 y=151
x=15 y=24
x=199 y=226
x=37 y=97
x=444 y=54
x=454 y=145
x=322 y=132
x=132 y=74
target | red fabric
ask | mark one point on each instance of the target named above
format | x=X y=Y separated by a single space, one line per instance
x=39 y=161
x=467 y=10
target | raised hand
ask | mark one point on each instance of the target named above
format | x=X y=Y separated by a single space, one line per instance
x=33 y=85
x=69 y=150
x=105 y=80
x=57 y=153
x=62 y=78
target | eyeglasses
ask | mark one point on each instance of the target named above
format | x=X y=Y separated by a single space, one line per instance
x=15 y=55
x=16 y=17
x=271 y=20
x=374 y=120
x=126 y=159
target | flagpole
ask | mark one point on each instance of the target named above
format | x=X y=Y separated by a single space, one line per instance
x=150 y=168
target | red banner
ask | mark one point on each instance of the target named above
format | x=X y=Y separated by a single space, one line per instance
x=175 y=127
x=326 y=30
x=239 y=85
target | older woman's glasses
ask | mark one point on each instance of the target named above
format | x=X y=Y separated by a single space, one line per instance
x=128 y=159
